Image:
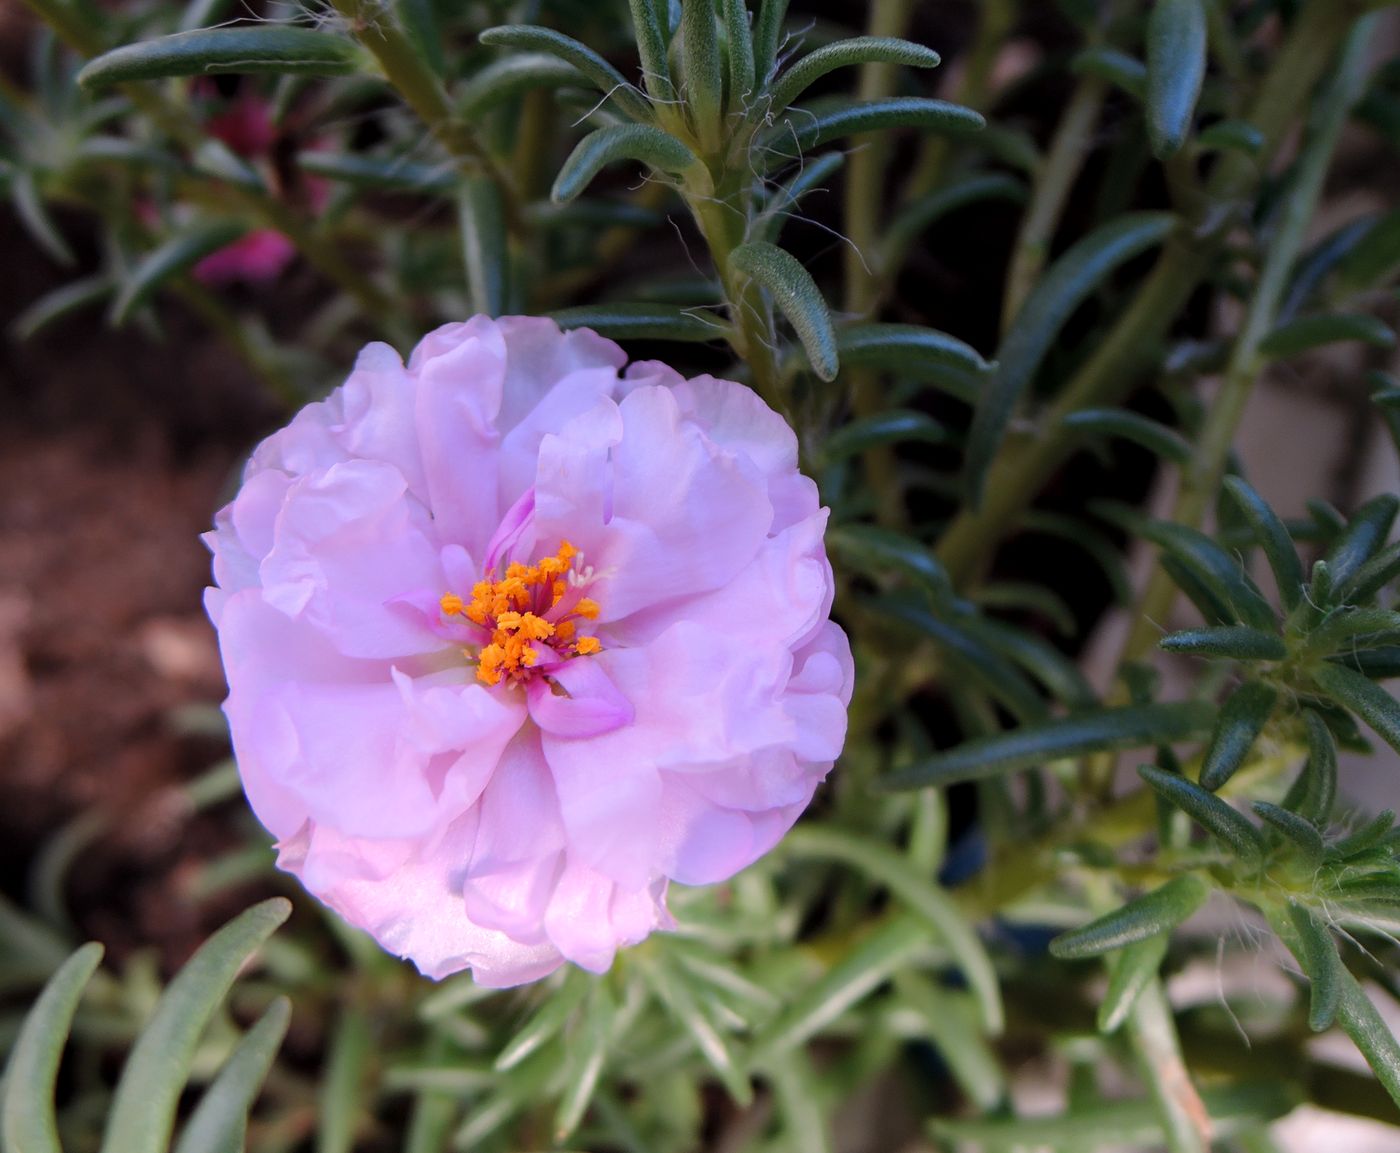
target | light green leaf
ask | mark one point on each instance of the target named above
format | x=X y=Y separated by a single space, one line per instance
x=702 y=72
x=1130 y=972
x=891 y=869
x=219 y=1121
x=1233 y=135
x=797 y=297
x=709 y=1041
x=885 y=951
x=551 y=1017
x=767 y=34
x=280 y=49
x=844 y=54
x=27 y=1119
x=344 y=1084
x=739 y=49
x=602 y=75
x=588 y=1052
x=1148 y=916
x=1207 y=810
x=146 y=1097
x=643 y=142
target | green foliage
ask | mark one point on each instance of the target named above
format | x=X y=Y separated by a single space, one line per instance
x=662 y=179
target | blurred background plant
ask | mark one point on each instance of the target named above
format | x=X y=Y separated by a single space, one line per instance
x=1016 y=326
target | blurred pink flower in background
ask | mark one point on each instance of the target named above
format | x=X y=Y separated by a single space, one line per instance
x=245 y=125
x=514 y=638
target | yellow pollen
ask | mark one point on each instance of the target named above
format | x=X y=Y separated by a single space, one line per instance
x=511 y=609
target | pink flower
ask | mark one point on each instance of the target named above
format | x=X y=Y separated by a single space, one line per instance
x=514 y=638
x=254 y=258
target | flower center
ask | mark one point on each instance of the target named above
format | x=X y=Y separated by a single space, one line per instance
x=532 y=615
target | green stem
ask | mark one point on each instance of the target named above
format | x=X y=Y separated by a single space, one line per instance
x=1056 y=177
x=864 y=207
x=1186 y=1124
x=372 y=24
x=1024 y=466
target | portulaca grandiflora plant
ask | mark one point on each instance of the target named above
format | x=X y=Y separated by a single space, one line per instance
x=658 y=620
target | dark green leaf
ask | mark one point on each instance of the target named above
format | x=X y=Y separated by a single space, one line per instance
x=653 y=147
x=796 y=294
x=29 y=207
x=1130 y=727
x=843 y=54
x=1365 y=698
x=1363 y=537
x=1066 y=285
x=642 y=322
x=1152 y=914
x=767 y=37
x=1232 y=135
x=1118 y=68
x=702 y=71
x=1273 y=538
x=249 y=48
x=911 y=350
x=392 y=172
x=1242 y=719
x=873 y=550
x=1231 y=642
x=1380 y=664
x=651 y=45
x=601 y=74
x=1176 y=66
x=181 y=252
x=1129 y=973
x=1207 y=810
x=1308 y=332
x=1362 y=840
x=1219 y=571
x=1156 y=438
x=146 y=1097
x=55 y=305
x=739 y=48
x=1351 y=630
x=1373 y=576
x=218 y=1122
x=1375 y=262
x=799 y=132
x=27 y=1120
x=966 y=650
x=1368 y=1030
x=889 y=427
x=512 y=76
x=922 y=213
x=1301 y=833
x=1039 y=658
x=1314 y=792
